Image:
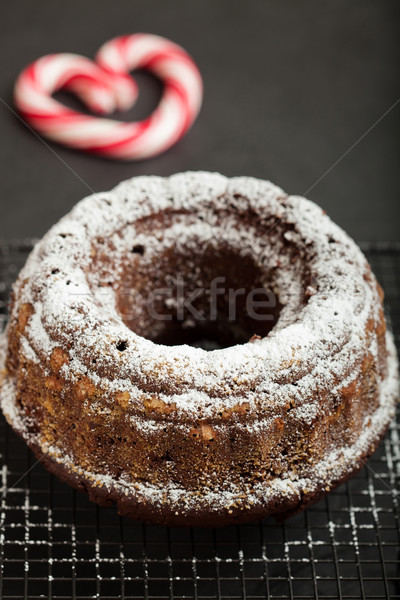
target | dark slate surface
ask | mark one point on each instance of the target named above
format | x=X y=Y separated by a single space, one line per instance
x=289 y=87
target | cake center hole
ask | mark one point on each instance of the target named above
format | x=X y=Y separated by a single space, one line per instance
x=209 y=299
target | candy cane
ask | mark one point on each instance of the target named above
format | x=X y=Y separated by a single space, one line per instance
x=105 y=86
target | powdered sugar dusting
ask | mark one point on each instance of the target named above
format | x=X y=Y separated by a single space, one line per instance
x=323 y=342
x=329 y=300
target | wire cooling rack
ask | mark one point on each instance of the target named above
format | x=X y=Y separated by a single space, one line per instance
x=56 y=544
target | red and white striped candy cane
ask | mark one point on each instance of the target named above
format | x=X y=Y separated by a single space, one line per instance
x=105 y=86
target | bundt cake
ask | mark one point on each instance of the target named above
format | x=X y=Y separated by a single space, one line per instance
x=136 y=368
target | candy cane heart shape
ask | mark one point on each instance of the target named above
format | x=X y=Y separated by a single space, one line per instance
x=105 y=86
x=101 y=92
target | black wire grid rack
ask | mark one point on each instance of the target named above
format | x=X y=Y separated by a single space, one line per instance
x=56 y=544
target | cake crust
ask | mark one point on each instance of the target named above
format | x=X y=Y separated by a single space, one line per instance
x=175 y=434
x=132 y=505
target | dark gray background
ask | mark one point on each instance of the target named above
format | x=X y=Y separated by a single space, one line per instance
x=289 y=87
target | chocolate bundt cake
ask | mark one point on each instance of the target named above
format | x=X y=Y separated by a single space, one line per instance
x=136 y=368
